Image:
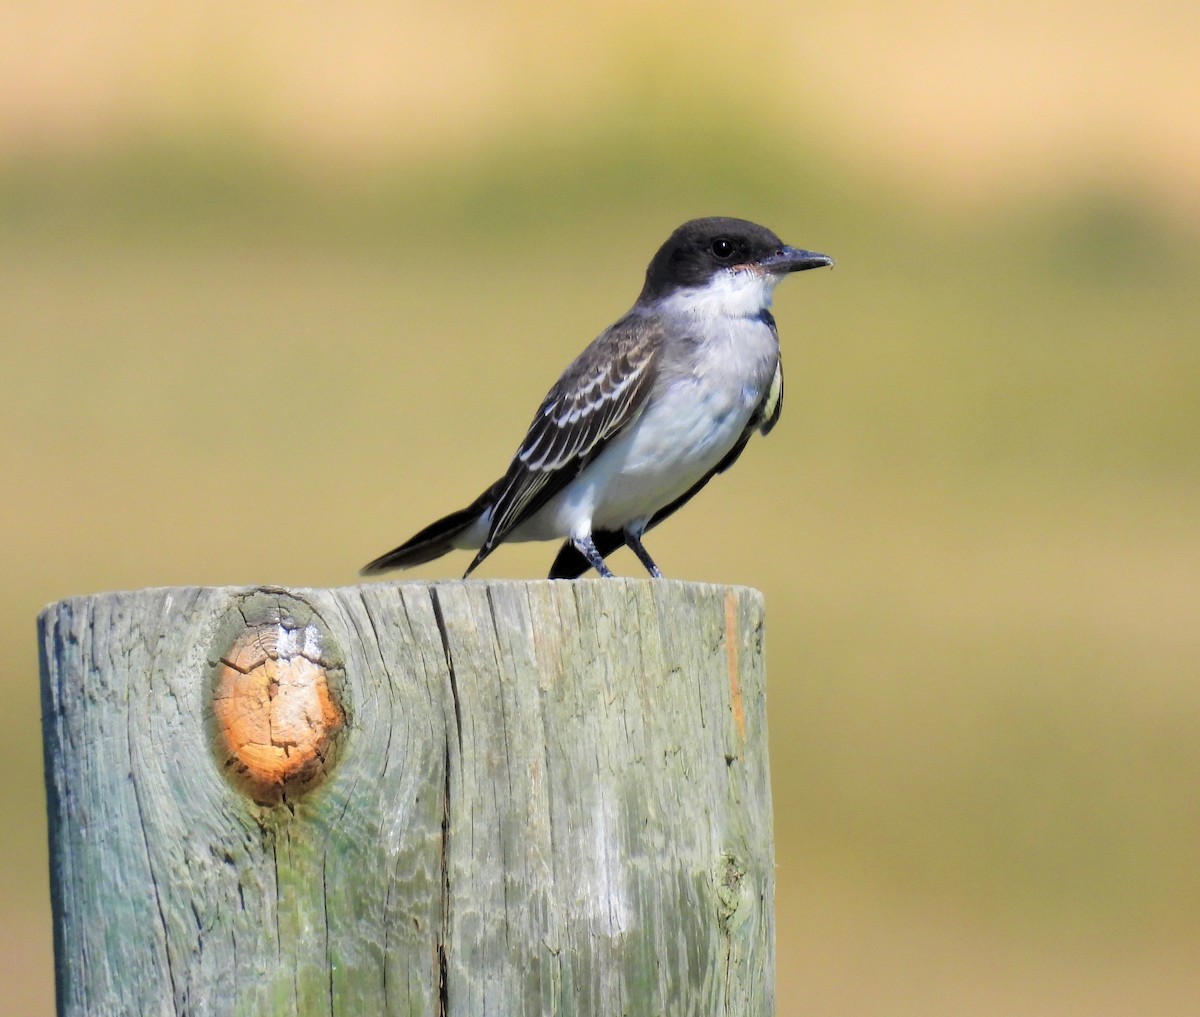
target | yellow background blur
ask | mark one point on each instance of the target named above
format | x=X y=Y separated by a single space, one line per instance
x=282 y=283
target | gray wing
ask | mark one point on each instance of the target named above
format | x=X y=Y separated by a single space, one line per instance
x=598 y=395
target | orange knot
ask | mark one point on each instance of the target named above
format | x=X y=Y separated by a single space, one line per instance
x=276 y=715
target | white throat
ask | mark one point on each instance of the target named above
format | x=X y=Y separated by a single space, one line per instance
x=732 y=293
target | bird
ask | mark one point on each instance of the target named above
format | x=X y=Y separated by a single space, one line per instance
x=656 y=406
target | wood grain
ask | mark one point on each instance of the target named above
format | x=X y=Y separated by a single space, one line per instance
x=547 y=797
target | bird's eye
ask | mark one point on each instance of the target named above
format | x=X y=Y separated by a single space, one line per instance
x=723 y=248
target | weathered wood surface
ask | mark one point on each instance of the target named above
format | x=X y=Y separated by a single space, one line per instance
x=547 y=798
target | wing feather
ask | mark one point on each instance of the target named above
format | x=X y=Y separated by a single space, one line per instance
x=598 y=395
x=772 y=405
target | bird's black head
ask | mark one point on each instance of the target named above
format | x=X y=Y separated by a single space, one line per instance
x=703 y=248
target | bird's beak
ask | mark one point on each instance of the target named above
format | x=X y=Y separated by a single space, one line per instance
x=791 y=259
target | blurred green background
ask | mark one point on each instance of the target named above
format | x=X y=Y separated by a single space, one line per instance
x=282 y=284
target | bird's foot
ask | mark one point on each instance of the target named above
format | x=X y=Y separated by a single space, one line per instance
x=587 y=547
x=635 y=545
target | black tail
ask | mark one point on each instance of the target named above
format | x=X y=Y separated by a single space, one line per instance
x=432 y=542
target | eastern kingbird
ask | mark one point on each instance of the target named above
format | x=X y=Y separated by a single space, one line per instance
x=645 y=416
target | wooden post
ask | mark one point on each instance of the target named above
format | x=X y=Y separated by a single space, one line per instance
x=480 y=798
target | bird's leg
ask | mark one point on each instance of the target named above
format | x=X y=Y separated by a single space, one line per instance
x=634 y=540
x=587 y=547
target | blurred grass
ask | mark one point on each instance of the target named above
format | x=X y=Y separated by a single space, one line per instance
x=976 y=525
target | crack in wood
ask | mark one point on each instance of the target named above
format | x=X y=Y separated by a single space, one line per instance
x=444 y=926
x=443 y=934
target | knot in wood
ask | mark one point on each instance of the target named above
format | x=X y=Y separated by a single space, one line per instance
x=276 y=714
x=729 y=876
